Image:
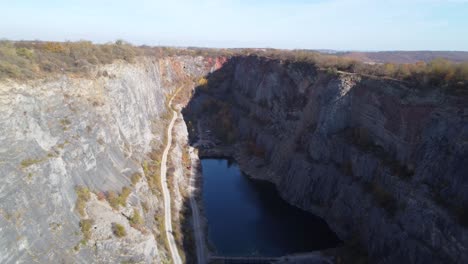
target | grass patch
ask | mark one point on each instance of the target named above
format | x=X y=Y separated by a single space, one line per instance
x=161 y=237
x=35 y=59
x=124 y=195
x=113 y=199
x=118 y=200
x=29 y=162
x=62 y=145
x=136 y=220
x=86 y=225
x=125 y=192
x=135 y=178
x=118 y=230
x=84 y=195
x=152 y=170
x=65 y=122
x=145 y=207
x=52 y=154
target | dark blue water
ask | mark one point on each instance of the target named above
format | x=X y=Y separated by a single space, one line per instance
x=247 y=217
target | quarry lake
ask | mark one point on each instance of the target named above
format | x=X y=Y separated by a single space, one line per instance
x=248 y=217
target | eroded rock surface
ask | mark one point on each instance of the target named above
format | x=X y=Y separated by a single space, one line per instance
x=95 y=132
x=383 y=162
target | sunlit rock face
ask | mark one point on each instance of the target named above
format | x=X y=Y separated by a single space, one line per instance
x=382 y=161
x=94 y=131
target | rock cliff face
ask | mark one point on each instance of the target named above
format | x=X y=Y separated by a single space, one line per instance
x=93 y=132
x=382 y=162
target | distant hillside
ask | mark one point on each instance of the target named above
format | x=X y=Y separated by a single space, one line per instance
x=406 y=56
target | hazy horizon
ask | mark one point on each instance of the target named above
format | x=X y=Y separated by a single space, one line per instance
x=339 y=25
x=323 y=50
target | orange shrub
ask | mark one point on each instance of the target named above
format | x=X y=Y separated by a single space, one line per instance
x=54 y=47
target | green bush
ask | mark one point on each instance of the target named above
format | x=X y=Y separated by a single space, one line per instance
x=26 y=53
x=8 y=70
x=118 y=230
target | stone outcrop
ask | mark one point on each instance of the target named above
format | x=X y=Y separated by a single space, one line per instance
x=383 y=162
x=64 y=132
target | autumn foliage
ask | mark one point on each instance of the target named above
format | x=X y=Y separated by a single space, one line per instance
x=36 y=59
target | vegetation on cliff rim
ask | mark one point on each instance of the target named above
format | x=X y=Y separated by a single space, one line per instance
x=437 y=73
x=22 y=60
x=36 y=59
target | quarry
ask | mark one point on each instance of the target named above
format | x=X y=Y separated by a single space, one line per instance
x=106 y=167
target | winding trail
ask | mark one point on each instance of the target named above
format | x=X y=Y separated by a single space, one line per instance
x=166 y=195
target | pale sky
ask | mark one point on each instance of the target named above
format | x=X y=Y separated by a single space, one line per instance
x=305 y=24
